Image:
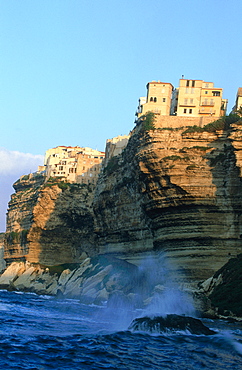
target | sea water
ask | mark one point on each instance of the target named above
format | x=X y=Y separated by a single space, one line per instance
x=43 y=332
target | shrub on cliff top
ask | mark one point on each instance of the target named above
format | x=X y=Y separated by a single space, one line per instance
x=148 y=120
x=171 y=158
x=223 y=123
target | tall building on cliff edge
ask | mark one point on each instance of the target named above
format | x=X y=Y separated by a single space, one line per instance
x=193 y=98
x=238 y=101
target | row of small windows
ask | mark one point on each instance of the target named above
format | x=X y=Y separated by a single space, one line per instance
x=189 y=91
x=190 y=83
x=215 y=93
x=205 y=102
x=155 y=99
x=186 y=101
x=189 y=111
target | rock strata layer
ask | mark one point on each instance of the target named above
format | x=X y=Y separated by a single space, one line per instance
x=176 y=191
x=49 y=223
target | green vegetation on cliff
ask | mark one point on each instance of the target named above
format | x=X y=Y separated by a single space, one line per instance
x=148 y=122
x=223 y=123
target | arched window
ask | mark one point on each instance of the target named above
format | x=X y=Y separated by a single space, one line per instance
x=151 y=99
x=155 y=100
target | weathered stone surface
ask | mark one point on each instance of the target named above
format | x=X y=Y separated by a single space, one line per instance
x=92 y=281
x=49 y=223
x=2 y=261
x=224 y=289
x=169 y=191
x=175 y=192
x=170 y=323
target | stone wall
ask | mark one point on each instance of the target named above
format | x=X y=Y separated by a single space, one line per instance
x=179 y=121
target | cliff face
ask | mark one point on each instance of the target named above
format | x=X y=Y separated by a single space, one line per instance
x=49 y=223
x=174 y=191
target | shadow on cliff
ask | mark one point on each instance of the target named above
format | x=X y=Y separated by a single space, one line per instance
x=226 y=210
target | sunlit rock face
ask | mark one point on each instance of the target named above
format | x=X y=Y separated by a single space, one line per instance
x=49 y=223
x=169 y=191
x=176 y=192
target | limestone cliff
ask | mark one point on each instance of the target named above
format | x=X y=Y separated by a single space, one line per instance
x=49 y=222
x=173 y=190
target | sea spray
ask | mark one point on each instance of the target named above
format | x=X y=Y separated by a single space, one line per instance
x=153 y=290
x=166 y=296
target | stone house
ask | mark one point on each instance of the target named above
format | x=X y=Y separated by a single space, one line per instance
x=74 y=164
x=238 y=101
x=193 y=98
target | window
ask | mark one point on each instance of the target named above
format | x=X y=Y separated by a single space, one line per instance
x=193 y=83
x=164 y=99
x=192 y=91
x=185 y=111
x=187 y=91
x=188 y=83
x=190 y=111
x=211 y=102
x=206 y=85
x=151 y=99
x=60 y=168
x=216 y=93
x=206 y=92
x=155 y=100
x=185 y=101
x=191 y=101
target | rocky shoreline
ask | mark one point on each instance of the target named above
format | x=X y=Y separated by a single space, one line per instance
x=109 y=280
x=172 y=191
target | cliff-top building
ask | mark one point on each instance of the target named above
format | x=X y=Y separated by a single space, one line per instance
x=115 y=146
x=193 y=98
x=238 y=101
x=158 y=99
x=74 y=164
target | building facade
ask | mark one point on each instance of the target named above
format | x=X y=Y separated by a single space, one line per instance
x=198 y=98
x=74 y=164
x=194 y=98
x=158 y=99
x=115 y=146
x=238 y=101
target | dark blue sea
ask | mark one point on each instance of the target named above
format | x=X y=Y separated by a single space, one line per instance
x=40 y=332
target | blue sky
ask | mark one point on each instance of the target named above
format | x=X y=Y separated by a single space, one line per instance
x=72 y=71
